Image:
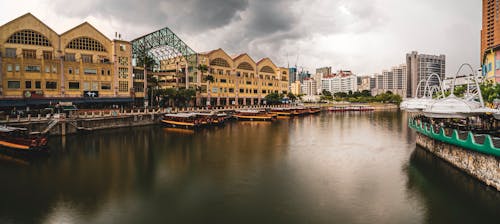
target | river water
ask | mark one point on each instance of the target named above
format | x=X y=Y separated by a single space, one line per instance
x=330 y=168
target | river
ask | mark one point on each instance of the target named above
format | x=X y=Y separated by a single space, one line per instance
x=330 y=168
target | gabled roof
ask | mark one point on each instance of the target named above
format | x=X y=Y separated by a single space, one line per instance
x=32 y=16
x=241 y=55
x=85 y=24
x=266 y=58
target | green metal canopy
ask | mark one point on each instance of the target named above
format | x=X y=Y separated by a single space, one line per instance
x=161 y=45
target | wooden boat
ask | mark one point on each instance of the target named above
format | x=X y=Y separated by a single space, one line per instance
x=212 y=118
x=254 y=115
x=14 y=139
x=300 y=111
x=190 y=121
x=282 y=112
x=314 y=110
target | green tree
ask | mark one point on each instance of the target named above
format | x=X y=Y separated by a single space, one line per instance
x=274 y=98
x=291 y=96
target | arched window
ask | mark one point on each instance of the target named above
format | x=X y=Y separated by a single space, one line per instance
x=267 y=69
x=30 y=37
x=86 y=43
x=245 y=66
x=219 y=62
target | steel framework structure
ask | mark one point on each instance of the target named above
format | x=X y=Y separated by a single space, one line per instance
x=161 y=45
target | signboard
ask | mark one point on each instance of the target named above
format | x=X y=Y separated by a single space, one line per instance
x=91 y=94
x=33 y=94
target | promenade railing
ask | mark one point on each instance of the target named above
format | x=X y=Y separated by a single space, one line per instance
x=483 y=143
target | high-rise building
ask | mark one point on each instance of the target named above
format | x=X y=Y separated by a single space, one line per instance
x=292 y=75
x=490 y=40
x=420 y=67
x=324 y=71
x=490 y=36
x=343 y=81
x=309 y=86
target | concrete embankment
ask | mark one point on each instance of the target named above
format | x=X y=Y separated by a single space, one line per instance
x=485 y=168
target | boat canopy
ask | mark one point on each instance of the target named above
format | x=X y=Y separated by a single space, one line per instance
x=185 y=115
x=10 y=129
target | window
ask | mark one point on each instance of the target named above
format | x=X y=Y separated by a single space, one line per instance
x=223 y=81
x=123 y=47
x=267 y=69
x=123 y=86
x=123 y=61
x=74 y=85
x=54 y=69
x=242 y=90
x=122 y=73
x=10 y=52
x=263 y=91
x=95 y=86
x=245 y=66
x=231 y=90
x=109 y=73
x=50 y=85
x=215 y=89
x=27 y=84
x=29 y=37
x=86 y=58
x=47 y=55
x=255 y=91
x=105 y=86
x=77 y=71
x=18 y=67
x=9 y=67
x=86 y=43
x=90 y=71
x=70 y=70
x=32 y=68
x=249 y=83
x=29 y=54
x=219 y=62
x=13 y=84
x=102 y=71
x=86 y=86
x=38 y=84
x=69 y=57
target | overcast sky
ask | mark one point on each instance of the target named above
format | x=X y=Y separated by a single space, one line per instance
x=364 y=36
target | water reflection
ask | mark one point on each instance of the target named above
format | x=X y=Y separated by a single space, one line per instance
x=332 y=168
x=449 y=195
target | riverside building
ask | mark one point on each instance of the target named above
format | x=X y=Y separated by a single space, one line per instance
x=343 y=81
x=490 y=41
x=420 y=67
x=237 y=79
x=393 y=80
x=39 y=66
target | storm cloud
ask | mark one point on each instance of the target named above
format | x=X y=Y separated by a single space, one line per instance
x=364 y=36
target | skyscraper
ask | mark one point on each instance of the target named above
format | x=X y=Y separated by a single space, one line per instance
x=491 y=18
x=420 y=67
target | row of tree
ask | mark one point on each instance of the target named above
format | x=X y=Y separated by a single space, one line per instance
x=364 y=96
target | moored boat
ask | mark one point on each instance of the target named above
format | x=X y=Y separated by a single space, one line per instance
x=314 y=110
x=20 y=140
x=282 y=112
x=190 y=121
x=254 y=115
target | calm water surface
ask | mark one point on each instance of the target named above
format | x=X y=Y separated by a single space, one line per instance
x=331 y=168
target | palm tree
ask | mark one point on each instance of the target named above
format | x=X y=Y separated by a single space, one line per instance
x=209 y=78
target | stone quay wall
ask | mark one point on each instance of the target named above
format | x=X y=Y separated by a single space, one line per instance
x=485 y=168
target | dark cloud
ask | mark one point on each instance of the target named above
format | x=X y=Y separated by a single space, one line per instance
x=366 y=36
x=185 y=15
